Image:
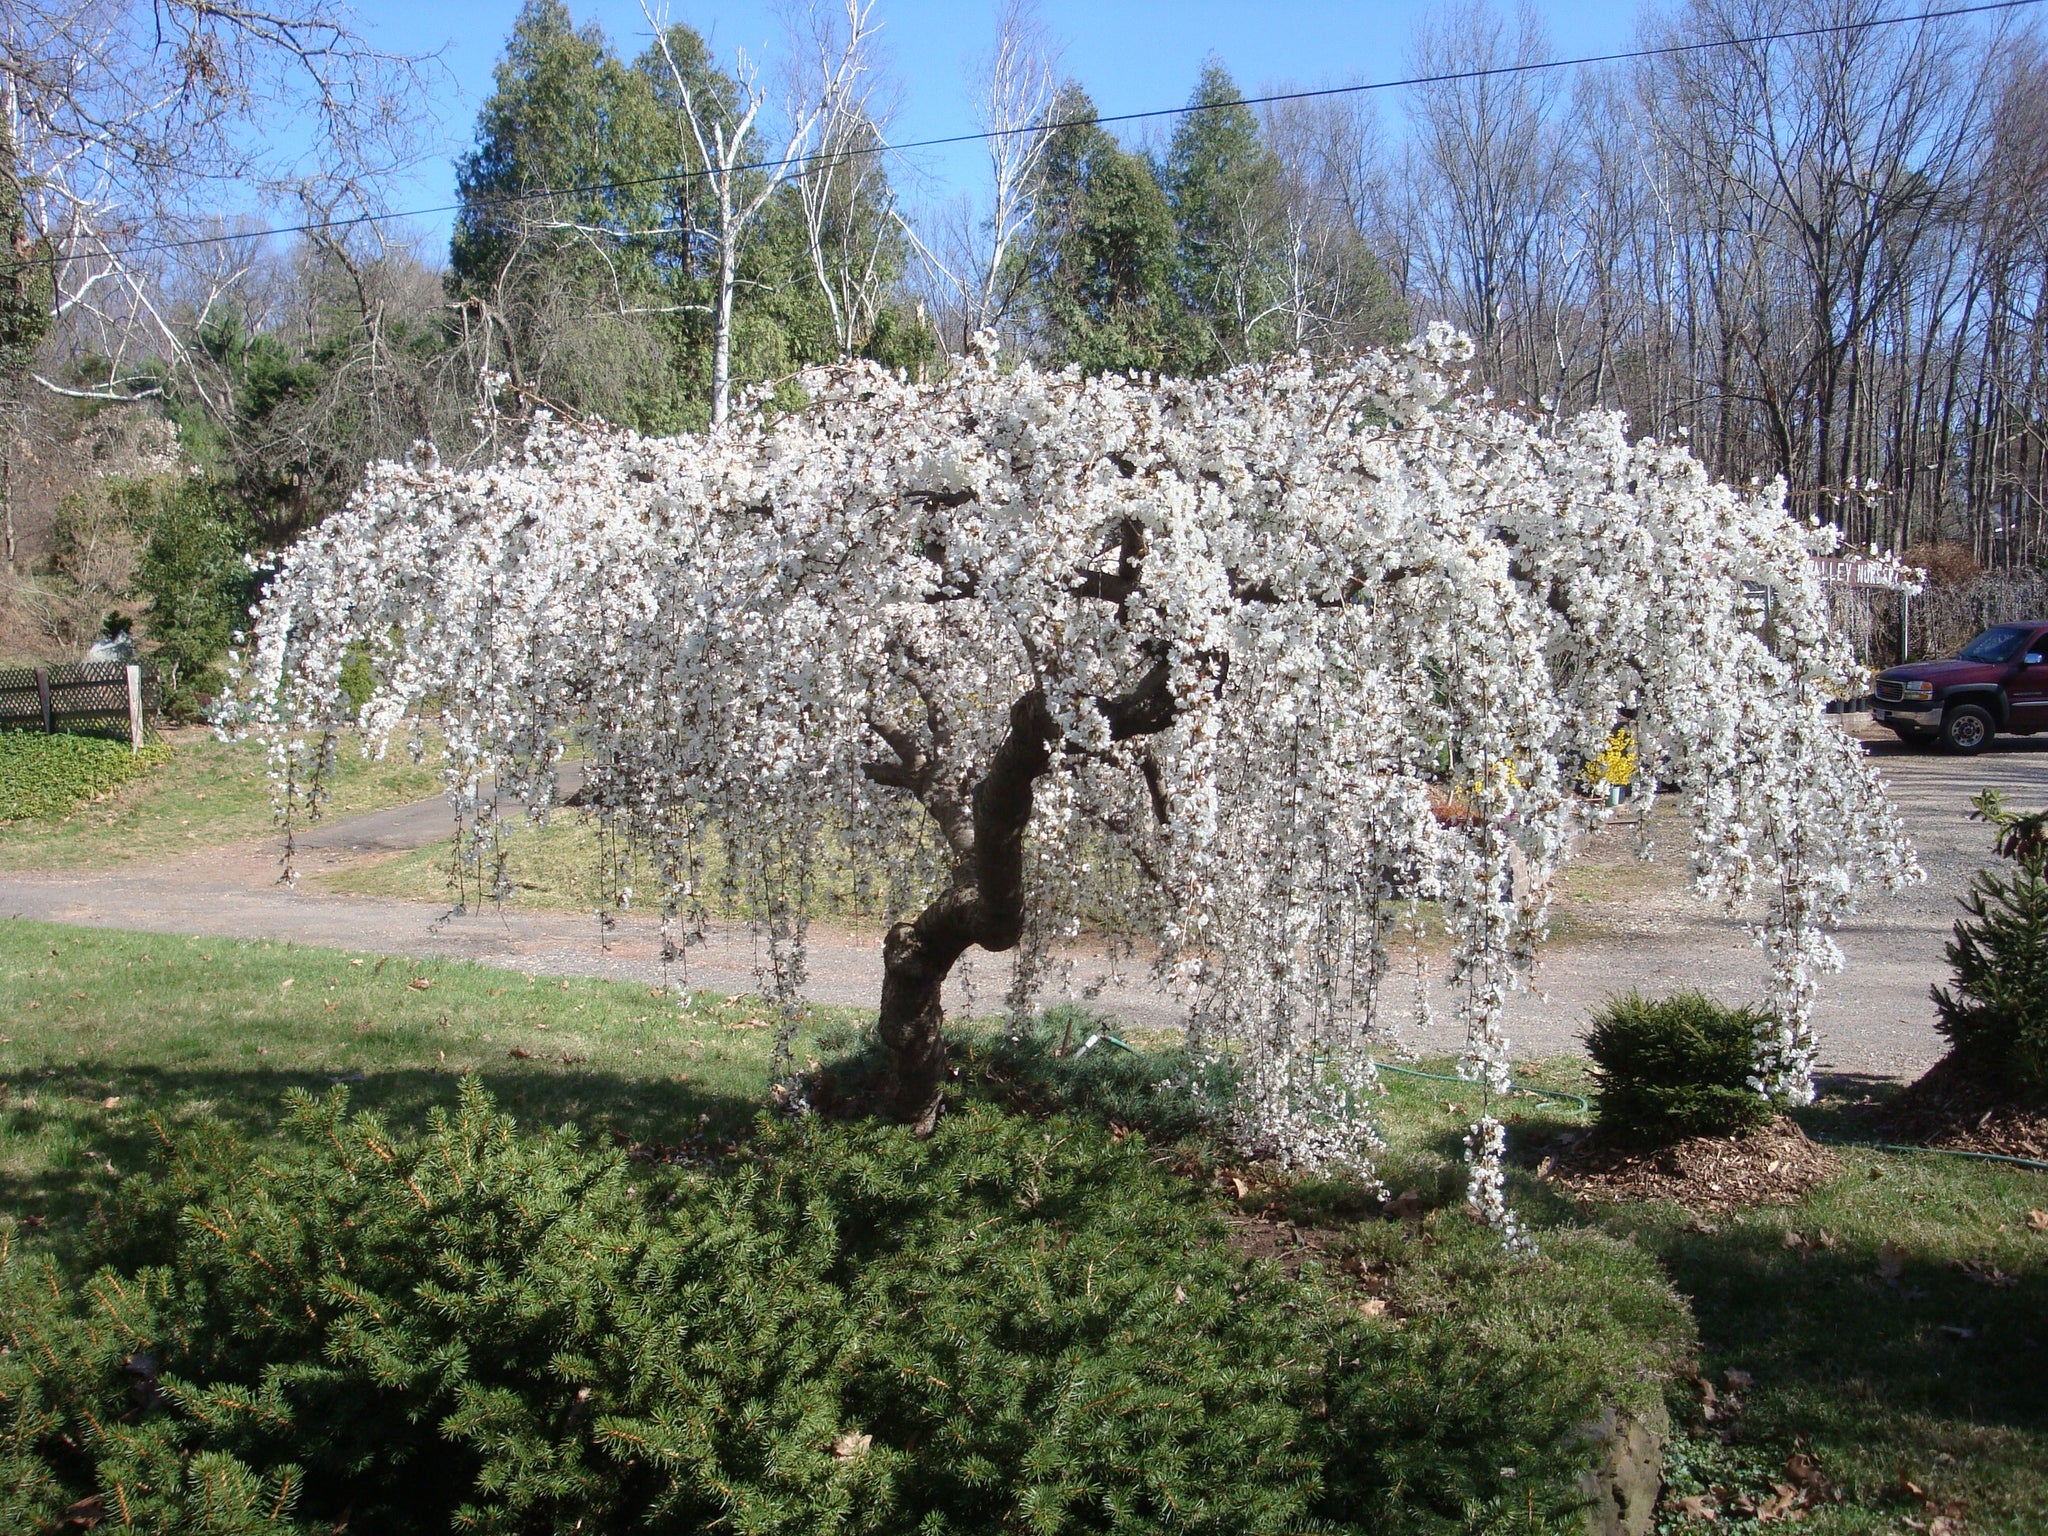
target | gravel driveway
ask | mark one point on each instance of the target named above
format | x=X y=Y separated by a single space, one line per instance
x=1623 y=925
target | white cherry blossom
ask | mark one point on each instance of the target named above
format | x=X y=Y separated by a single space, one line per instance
x=1231 y=673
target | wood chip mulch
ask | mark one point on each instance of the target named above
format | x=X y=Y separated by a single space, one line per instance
x=1776 y=1165
x=1950 y=1107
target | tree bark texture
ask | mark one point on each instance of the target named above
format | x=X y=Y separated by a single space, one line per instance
x=984 y=902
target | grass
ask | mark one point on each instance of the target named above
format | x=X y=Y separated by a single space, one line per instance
x=209 y=792
x=552 y=868
x=1875 y=1342
x=48 y=775
x=105 y=1030
x=1894 y=1324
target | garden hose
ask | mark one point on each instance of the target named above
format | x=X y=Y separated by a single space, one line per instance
x=2034 y=1163
x=1583 y=1103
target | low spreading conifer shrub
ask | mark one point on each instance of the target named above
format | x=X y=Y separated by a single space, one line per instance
x=1995 y=1015
x=1672 y=1067
x=1020 y=1323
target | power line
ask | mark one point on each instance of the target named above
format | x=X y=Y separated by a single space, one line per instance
x=1450 y=77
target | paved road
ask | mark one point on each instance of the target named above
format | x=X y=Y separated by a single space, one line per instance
x=1875 y=1020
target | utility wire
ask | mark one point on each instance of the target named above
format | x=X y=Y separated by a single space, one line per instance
x=1449 y=77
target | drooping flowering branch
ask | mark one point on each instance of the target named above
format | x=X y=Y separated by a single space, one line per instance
x=1239 y=668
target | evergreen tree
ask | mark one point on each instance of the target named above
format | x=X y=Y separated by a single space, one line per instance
x=1996 y=1014
x=1229 y=212
x=571 y=250
x=1100 y=260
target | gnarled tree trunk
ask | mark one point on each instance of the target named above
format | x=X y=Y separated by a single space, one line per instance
x=984 y=903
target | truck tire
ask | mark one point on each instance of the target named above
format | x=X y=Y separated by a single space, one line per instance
x=1967 y=729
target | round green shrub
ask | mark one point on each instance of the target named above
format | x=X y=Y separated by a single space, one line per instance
x=1673 y=1067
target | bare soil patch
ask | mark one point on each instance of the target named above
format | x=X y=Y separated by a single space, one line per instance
x=1776 y=1165
x=1961 y=1111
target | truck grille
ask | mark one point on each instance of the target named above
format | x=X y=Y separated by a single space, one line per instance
x=1890 y=690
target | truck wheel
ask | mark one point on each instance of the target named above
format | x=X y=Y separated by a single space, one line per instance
x=1967 y=729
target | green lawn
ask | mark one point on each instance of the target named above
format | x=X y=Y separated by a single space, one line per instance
x=207 y=793
x=1892 y=1325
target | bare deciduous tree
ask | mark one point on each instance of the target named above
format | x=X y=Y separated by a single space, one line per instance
x=136 y=125
x=743 y=179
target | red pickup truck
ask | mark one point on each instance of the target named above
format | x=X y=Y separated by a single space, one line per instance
x=1998 y=682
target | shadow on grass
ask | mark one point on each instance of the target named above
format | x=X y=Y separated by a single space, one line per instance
x=1852 y=1345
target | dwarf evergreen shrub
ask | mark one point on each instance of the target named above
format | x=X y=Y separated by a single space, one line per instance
x=1018 y=1324
x=1672 y=1067
x=1996 y=1013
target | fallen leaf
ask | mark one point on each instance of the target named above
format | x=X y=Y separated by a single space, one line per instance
x=1984 y=1272
x=1890 y=1262
x=287 y=984
x=2037 y=1221
x=1738 y=1381
x=1781 y=1502
x=420 y=983
x=1243 y=1189
x=1906 y=1488
x=1374 y=1306
x=355 y=962
x=86 y=1512
x=851 y=1444
x=1180 y=1296
x=1700 y=1506
x=1806 y=1475
x=1793 y=1239
x=1941 y=1525
x=113 y=1102
x=520 y=1053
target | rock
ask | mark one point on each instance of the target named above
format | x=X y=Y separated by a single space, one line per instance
x=1627 y=1474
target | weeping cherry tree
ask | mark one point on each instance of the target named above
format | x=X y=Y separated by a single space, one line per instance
x=1235 y=671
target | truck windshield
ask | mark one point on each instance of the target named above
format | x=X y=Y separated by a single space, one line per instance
x=2000 y=644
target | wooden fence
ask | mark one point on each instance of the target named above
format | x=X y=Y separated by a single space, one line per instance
x=48 y=697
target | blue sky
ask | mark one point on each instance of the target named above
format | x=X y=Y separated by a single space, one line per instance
x=1132 y=55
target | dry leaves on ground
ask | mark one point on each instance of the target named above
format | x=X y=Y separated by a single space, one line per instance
x=1805 y=1487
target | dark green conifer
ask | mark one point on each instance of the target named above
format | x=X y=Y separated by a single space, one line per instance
x=1995 y=1014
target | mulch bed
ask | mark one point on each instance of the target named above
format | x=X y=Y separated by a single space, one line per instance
x=1776 y=1165
x=1953 y=1108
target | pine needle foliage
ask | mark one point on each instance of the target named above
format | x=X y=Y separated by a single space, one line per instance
x=1995 y=1014
x=1013 y=1325
x=1673 y=1067
x=1019 y=1324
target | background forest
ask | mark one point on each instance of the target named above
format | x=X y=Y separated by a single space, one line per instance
x=1821 y=257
